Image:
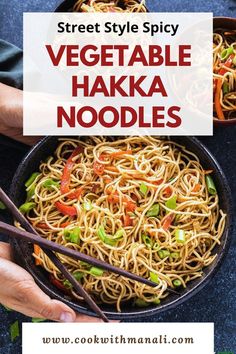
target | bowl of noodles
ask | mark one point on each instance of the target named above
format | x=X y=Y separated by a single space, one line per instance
x=157 y=207
x=224 y=71
x=125 y=6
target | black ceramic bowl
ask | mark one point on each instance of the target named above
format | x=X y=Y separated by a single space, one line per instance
x=23 y=251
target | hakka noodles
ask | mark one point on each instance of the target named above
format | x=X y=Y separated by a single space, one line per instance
x=139 y=203
x=109 y=6
x=224 y=72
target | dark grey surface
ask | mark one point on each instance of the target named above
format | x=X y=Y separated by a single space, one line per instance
x=216 y=303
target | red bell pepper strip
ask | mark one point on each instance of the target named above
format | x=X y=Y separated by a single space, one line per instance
x=66 y=174
x=227 y=64
x=66 y=209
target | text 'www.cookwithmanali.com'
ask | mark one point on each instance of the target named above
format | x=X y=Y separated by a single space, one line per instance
x=111 y=338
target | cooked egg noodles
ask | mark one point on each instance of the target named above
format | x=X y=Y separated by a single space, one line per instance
x=143 y=204
x=224 y=72
x=110 y=6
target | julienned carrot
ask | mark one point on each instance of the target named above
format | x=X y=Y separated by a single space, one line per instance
x=196 y=188
x=218 y=107
x=168 y=191
x=37 y=252
x=167 y=220
x=127 y=220
x=111 y=168
x=207 y=172
x=120 y=153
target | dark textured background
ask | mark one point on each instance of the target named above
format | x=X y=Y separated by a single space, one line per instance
x=216 y=303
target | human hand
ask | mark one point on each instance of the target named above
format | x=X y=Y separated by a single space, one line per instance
x=19 y=292
x=11 y=114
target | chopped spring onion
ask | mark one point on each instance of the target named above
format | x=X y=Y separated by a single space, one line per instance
x=156 y=246
x=26 y=207
x=210 y=185
x=174 y=255
x=78 y=275
x=119 y=234
x=171 y=203
x=30 y=193
x=177 y=282
x=87 y=206
x=157 y=301
x=38 y=320
x=163 y=254
x=147 y=240
x=67 y=284
x=225 y=88
x=141 y=303
x=14 y=330
x=31 y=179
x=154 y=210
x=2 y=206
x=96 y=271
x=49 y=183
x=73 y=235
x=180 y=236
x=85 y=264
x=226 y=53
x=154 y=277
x=103 y=236
x=143 y=188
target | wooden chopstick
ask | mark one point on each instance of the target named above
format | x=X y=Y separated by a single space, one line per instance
x=27 y=226
x=53 y=246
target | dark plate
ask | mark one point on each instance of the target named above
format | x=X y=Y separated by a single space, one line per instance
x=23 y=251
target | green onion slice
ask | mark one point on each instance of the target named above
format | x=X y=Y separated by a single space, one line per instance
x=141 y=303
x=143 y=188
x=163 y=254
x=119 y=234
x=31 y=179
x=154 y=277
x=14 y=330
x=96 y=271
x=171 y=203
x=78 y=275
x=226 y=53
x=177 y=282
x=154 y=210
x=67 y=284
x=49 y=183
x=73 y=235
x=157 y=301
x=2 y=206
x=147 y=240
x=210 y=185
x=103 y=236
x=180 y=236
x=87 y=206
x=174 y=255
x=225 y=88
x=26 y=207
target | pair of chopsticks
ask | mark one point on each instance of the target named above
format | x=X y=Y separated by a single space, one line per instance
x=49 y=247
